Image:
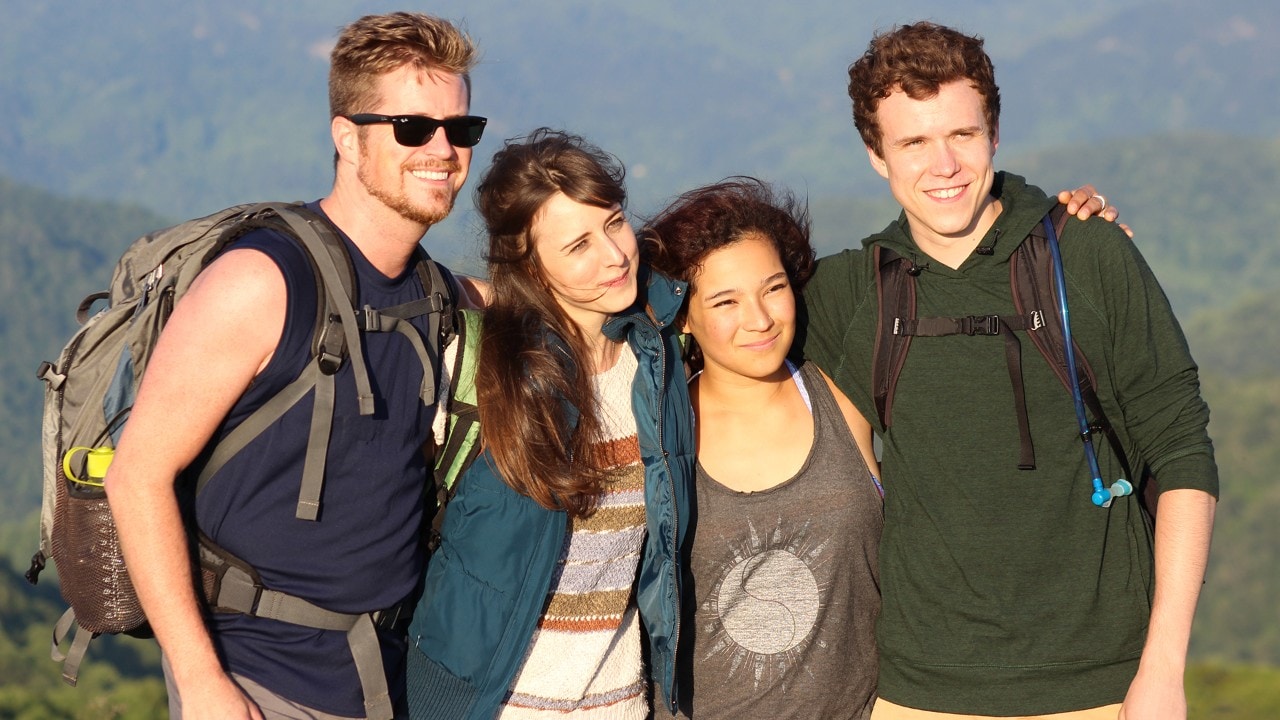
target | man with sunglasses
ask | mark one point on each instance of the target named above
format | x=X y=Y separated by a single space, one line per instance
x=399 y=104
x=1010 y=587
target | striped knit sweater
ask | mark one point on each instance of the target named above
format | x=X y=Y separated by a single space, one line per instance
x=584 y=659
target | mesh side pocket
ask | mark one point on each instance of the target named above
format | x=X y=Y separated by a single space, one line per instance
x=208 y=584
x=91 y=571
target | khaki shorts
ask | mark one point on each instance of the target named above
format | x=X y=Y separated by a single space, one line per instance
x=273 y=706
x=885 y=710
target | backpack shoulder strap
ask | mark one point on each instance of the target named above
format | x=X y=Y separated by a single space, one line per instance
x=896 y=291
x=461 y=443
x=438 y=280
x=1031 y=277
x=337 y=330
x=1032 y=284
x=896 y=301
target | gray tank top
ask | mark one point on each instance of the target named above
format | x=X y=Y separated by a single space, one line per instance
x=786 y=586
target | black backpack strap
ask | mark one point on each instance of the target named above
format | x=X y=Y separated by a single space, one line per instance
x=1031 y=277
x=896 y=294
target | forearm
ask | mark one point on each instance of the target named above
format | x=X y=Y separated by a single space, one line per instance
x=1183 y=528
x=156 y=552
x=1183 y=531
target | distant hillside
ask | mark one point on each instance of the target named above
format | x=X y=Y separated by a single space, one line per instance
x=56 y=251
x=120 y=678
x=1237 y=350
x=1151 y=68
x=187 y=107
x=1202 y=206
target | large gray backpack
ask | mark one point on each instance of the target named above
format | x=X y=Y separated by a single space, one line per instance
x=90 y=391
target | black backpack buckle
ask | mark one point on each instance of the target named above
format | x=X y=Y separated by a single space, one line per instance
x=980 y=325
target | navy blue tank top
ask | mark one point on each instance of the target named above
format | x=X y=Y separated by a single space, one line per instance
x=363 y=553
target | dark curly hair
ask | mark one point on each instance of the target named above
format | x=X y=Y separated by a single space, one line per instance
x=701 y=221
x=918 y=59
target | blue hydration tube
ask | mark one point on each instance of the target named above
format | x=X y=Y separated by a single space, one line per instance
x=1102 y=495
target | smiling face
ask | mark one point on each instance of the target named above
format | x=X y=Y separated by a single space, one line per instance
x=937 y=157
x=588 y=257
x=742 y=310
x=417 y=183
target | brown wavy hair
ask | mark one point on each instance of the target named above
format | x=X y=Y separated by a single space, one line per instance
x=534 y=364
x=375 y=45
x=701 y=221
x=918 y=59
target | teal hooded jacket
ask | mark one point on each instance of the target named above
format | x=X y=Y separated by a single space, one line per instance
x=487 y=583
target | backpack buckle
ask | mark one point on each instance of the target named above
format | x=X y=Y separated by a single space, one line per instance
x=980 y=325
x=238 y=591
x=329 y=346
x=370 y=319
x=328 y=362
x=391 y=617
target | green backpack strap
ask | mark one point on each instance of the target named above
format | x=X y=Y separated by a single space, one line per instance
x=461 y=443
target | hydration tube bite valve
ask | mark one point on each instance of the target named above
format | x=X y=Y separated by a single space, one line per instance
x=1102 y=497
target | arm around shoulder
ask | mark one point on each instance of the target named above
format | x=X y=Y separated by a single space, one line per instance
x=839 y=284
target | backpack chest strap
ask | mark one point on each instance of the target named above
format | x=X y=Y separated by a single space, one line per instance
x=396 y=319
x=988 y=325
x=969 y=325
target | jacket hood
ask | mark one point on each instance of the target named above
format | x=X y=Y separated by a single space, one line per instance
x=1022 y=206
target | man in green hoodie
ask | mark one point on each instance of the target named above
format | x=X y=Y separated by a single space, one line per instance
x=1007 y=592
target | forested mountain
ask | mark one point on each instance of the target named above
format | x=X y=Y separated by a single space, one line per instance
x=119 y=680
x=55 y=252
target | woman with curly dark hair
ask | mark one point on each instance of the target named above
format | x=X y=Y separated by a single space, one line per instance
x=783 y=557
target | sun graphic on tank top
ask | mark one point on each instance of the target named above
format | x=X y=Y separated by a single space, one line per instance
x=765 y=604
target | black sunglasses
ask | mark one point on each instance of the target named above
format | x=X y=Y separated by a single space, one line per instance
x=417 y=130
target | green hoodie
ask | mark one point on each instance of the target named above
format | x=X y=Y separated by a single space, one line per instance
x=1007 y=591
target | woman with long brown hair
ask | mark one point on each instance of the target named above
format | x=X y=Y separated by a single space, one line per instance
x=561 y=541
